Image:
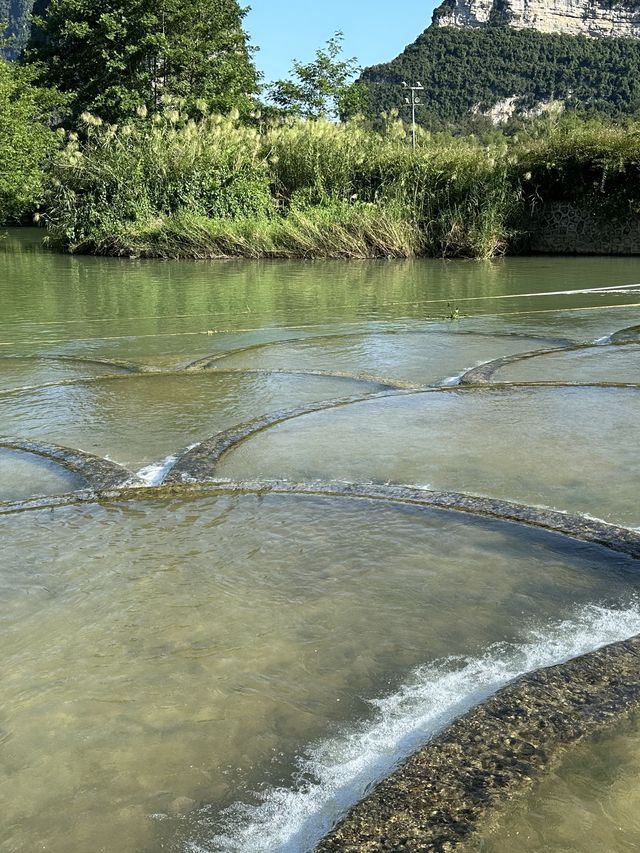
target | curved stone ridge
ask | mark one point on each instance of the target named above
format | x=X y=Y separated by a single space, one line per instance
x=621 y=539
x=439 y=798
x=483 y=373
x=630 y=335
x=210 y=360
x=384 y=382
x=116 y=364
x=200 y=462
x=98 y=473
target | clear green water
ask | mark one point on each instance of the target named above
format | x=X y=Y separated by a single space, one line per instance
x=403 y=356
x=192 y=648
x=230 y=673
x=23 y=475
x=591 y=802
x=136 y=420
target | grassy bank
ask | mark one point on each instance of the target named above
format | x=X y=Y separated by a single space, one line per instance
x=219 y=188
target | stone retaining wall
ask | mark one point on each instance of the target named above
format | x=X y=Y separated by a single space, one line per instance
x=564 y=229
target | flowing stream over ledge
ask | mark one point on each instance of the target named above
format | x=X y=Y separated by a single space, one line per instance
x=197 y=667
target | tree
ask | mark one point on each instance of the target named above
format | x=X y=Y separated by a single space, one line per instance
x=320 y=88
x=129 y=54
x=26 y=139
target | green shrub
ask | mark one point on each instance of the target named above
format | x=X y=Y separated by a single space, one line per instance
x=315 y=188
x=26 y=141
x=593 y=163
x=151 y=169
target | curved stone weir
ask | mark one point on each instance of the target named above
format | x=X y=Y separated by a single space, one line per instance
x=617 y=373
x=25 y=476
x=46 y=370
x=590 y=799
x=200 y=462
x=322 y=337
x=627 y=336
x=231 y=561
x=415 y=357
x=441 y=797
x=96 y=472
x=622 y=539
x=465 y=439
x=385 y=382
x=483 y=373
x=142 y=418
x=611 y=365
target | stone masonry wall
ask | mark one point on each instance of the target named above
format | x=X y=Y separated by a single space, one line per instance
x=569 y=230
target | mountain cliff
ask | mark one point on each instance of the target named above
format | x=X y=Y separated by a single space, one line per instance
x=593 y=18
x=15 y=17
x=500 y=58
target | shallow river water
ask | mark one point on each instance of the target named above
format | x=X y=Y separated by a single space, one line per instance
x=231 y=671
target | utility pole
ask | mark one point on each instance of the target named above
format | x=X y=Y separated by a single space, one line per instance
x=413 y=103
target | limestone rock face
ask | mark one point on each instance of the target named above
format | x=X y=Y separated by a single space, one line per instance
x=617 y=18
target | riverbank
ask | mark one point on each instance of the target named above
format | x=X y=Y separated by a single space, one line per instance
x=219 y=188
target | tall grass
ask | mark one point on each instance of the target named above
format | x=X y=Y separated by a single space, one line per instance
x=218 y=188
x=589 y=162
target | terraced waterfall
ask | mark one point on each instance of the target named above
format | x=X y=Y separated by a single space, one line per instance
x=273 y=533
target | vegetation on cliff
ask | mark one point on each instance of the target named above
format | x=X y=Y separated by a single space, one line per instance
x=15 y=16
x=469 y=70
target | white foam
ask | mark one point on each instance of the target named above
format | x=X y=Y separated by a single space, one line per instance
x=154 y=474
x=338 y=772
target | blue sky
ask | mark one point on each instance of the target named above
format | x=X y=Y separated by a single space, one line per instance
x=374 y=30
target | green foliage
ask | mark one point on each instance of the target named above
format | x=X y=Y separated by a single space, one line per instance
x=26 y=140
x=302 y=178
x=592 y=163
x=129 y=53
x=334 y=231
x=173 y=187
x=320 y=88
x=149 y=170
x=468 y=69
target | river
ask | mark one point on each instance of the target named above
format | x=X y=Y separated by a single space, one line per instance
x=192 y=665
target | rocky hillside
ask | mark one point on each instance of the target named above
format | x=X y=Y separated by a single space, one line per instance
x=499 y=58
x=15 y=16
x=618 y=18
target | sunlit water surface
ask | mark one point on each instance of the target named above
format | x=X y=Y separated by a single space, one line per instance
x=582 y=450
x=231 y=673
